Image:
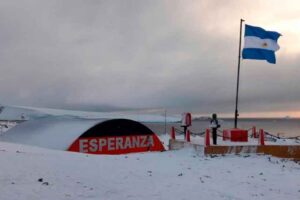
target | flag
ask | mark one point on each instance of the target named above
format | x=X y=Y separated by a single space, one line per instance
x=260 y=44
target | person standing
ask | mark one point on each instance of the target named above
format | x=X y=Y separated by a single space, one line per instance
x=214 y=124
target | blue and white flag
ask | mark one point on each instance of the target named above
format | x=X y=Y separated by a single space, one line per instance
x=260 y=44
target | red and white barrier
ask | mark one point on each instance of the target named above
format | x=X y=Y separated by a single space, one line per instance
x=226 y=135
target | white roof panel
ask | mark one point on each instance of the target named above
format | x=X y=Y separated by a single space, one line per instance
x=49 y=132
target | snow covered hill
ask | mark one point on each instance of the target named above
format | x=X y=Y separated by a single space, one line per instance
x=34 y=173
x=27 y=113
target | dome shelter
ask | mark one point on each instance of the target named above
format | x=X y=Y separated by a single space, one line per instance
x=117 y=136
x=114 y=136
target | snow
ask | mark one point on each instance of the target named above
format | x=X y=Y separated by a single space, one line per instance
x=183 y=174
x=22 y=112
x=16 y=113
x=54 y=132
x=6 y=125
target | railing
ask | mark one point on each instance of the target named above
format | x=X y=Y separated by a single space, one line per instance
x=261 y=135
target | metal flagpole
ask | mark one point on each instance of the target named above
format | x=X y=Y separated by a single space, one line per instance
x=236 y=114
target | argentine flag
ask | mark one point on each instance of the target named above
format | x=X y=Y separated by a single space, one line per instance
x=260 y=44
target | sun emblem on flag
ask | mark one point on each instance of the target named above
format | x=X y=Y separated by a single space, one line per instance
x=264 y=44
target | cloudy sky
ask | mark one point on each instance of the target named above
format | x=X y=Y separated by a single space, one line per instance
x=179 y=55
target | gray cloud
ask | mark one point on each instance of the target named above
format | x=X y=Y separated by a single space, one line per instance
x=173 y=54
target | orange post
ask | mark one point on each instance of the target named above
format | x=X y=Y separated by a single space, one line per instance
x=254 y=132
x=172 y=135
x=207 y=138
x=261 y=137
x=188 y=136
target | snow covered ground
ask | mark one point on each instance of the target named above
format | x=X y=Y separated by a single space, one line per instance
x=34 y=173
x=6 y=125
